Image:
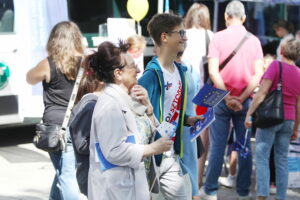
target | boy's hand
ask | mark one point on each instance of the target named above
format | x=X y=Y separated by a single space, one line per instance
x=192 y=120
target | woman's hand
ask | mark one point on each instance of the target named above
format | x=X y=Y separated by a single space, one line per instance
x=159 y=146
x=248 y=121
x=141 y=94
x=294 y=135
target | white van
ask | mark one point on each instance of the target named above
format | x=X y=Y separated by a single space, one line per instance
x=24 y=30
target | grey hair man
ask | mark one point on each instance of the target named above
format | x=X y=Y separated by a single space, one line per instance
x=240 y=76
x=235 y=9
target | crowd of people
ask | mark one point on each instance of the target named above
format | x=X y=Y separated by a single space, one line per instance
x=117 y=146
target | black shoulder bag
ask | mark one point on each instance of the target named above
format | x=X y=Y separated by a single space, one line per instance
x=270 y=111
x=52 y=137
x=224 y=63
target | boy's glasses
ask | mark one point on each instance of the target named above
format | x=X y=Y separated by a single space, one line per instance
x=182 y=33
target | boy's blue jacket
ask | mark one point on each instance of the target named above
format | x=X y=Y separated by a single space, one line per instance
x=153 y=81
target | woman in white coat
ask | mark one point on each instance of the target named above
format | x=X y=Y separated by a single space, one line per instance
x=116 y=149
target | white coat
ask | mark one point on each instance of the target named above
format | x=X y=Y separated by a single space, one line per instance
x=112 y=122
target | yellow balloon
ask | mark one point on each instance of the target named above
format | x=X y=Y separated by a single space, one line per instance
x=137 y=9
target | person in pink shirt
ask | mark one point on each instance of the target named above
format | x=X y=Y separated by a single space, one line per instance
x=281 y=134
x=240 y=77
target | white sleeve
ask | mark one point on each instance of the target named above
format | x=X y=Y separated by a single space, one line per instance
x=110 y=128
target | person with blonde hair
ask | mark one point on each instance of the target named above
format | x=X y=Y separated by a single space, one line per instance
x=280 y=134
x=137 y=45
x=57 y=73
x=197 y=23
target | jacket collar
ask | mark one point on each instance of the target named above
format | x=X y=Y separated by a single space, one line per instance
x=126 y=100
x=154 y=65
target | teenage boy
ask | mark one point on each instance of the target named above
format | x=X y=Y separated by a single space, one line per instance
x=165 y=82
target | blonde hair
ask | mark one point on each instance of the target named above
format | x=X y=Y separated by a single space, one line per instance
x=197 y=16
x=64 y=45
x=136 y=42
x=291 y=49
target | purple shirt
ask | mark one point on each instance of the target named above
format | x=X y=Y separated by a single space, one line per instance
x=290 y=86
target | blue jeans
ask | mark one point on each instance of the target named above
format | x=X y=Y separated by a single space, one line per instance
x=279 y=135
x=219 y=131
x=64 y=186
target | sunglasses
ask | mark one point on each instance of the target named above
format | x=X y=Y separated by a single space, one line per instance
x=182 y=33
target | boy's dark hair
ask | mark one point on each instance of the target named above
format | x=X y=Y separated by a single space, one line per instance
x=161 y=23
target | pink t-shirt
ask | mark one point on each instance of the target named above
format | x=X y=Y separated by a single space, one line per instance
x=238 y=72
x=290 y=86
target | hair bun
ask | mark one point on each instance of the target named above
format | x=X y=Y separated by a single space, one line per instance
x=93 y=61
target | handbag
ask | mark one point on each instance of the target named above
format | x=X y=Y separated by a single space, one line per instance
x=48 y=137
x=224 y=63
x=52 y=137
x=270 y=112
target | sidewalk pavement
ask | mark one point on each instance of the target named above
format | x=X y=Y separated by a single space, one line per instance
x=27 y=173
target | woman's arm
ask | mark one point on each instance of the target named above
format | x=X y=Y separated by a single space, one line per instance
x=257 y=100
x=110 y=126
x=141 y=94
x=39 y=73
x=159 y=146
x=297 y=121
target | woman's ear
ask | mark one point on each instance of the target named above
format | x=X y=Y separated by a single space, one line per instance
x=118 y=75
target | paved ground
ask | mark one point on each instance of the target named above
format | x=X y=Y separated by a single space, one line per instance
x=26 y=173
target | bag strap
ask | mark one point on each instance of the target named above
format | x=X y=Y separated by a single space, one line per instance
x=71 y=101
x=204 y=58
x=279 y=85
x=207 y=40
x=224 y=63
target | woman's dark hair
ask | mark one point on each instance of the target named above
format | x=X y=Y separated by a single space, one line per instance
x=106 y=60
x=89 y=82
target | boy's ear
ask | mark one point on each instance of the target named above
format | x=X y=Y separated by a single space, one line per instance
x=163 y=37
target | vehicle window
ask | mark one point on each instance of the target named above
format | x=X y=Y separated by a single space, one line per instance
x=6 y=16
